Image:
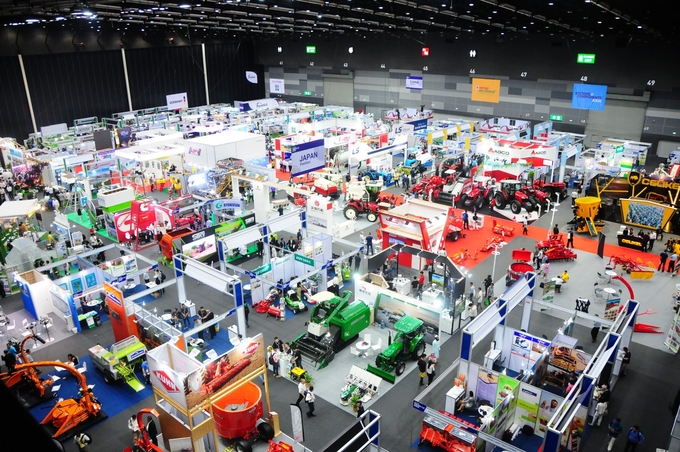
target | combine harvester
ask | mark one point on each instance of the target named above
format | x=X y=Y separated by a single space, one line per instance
x=334 y=323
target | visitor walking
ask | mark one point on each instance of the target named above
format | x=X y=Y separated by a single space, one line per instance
x=310 y=398
x=634 y=438
x=302 y=391
x=662 y=262
x=422 y=368
x=625 y=361
x=369 y=244
x=431 y=371
x=525 y=226
x=595 y=330
x=614 y=430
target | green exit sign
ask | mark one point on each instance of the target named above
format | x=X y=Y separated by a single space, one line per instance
x=619 y=149
x=585 y=58
x=312 y=49
x=307 y=93
x=555 y=117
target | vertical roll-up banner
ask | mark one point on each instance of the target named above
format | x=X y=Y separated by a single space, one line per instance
x=296 y=419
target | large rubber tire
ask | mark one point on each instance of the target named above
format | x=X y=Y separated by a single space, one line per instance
x=400 y=368
x=515 y=207
x=564 y=194
x=108 y=377
x=479 y=202
x=266 y=431
x=500 y=201
x=463 y=200
x=454 y=236
x=241 y=445
x=351 y=213
x=420 y=349
x=468 y=201
x=372 y=217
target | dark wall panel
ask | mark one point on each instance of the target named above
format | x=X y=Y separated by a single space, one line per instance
x=155 y=73
x=227 y=65
x=69 y=86
x=15 y=117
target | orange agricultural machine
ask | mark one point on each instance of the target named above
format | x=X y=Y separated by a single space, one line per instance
x=28 y=374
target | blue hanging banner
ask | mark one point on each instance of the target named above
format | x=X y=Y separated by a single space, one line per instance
x=589 y=97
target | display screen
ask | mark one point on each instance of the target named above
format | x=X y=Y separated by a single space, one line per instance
x=200 y=249
x=438 y=280
x=644 y=214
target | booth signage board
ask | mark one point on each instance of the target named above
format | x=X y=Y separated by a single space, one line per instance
x=277 y=86
x=123 y=223
x=258 y=104
x=304 y=259
x=414 y=82
x=673 y=338
x=141 y=214
x=227 y=204
x=245 y=358
x=307 y=157
x=177 y=101
x=263 y=270
x=420 y=124
x=486 y=90
x=589 y=97
x=526 y=412
x=585 y=58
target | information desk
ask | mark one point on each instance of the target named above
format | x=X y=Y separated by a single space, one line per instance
x=402 y=285
x=433 y=296
x=446 y=436
x=631 y=241
x=89 y=320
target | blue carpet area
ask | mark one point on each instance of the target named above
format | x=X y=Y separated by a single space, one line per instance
x=114 y=398
x=145 y=299
x=220 y=343
x=425 y=447
x=528 y=443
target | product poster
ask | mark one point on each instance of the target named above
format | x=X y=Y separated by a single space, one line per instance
x=612 y=309
x=546 y=409
x=525 y=351
x=245 y=358
x=576 y=429
x=527 y=405
x=506 y=386
x=487 y=385
x=91 y=280
x=77 y=286
x=673 y=337
x=549 y=291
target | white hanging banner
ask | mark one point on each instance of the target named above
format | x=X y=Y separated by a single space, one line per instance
x=277 y=86
x=251 y=77
x=177 y=101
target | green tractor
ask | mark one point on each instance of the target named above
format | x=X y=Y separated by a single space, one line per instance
x=409 y=342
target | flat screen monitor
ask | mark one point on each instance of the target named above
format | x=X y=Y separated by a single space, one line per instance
x=200 y=249
x=439 y=280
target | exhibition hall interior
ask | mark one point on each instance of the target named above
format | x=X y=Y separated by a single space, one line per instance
x=342 y=226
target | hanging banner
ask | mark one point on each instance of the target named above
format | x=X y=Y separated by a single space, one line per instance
x=486 y=90
x=673 y=338
x=141 y=214
x=589 y=97
x=414 y=82
x=277 y=86
x=487 y=385
x=307 y=157
x=227 y=204
x=296 y=419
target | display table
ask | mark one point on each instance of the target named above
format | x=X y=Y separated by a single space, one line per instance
x=363 y=347
x=446 y=322
x=402 y=285
x=611 y=292
x=452 y=398
x=631 y=241
x=433 y=296
x=320 y=297
x=89 y=320
x=610 y=274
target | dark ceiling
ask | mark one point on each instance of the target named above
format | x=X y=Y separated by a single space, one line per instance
x=630 y=19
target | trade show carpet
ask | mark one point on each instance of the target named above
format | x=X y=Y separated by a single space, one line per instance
x=528 y=443
x=146 y=299
x=114 y=398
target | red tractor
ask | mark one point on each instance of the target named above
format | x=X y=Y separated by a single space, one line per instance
x=539 y=196
x=482 y=190
x=560 y=253
x=551 y=188
x=358 y=206
x=510 y=193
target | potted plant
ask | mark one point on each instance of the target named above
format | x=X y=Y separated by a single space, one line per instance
x=354 y=400
x=309 y=379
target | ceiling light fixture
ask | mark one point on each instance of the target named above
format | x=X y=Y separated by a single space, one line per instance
x=184 y=5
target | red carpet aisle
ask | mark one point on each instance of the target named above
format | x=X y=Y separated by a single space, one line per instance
x=590 y=245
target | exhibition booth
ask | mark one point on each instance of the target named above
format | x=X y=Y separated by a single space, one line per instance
x=415 y=223
x=530 y=393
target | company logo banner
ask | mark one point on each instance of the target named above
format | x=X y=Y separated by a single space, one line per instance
x=486 y=90
x=589 y=97
x=306 y=157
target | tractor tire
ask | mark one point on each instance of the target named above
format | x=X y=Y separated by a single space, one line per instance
x=468 y=202
x=241 y=445
x=515 y=207
x=108 y=377
x=479 y=202
x=400 y=368
x=463 y=200
x=419 y=350
x=564 y=194
x=454 y=236
x=372 y=217
x=266 y=431
x=500 y=201
x=351 y=213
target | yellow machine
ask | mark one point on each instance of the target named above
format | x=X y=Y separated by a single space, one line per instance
x=586 y=211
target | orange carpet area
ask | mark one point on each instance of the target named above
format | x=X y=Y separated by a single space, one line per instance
x=476 y=240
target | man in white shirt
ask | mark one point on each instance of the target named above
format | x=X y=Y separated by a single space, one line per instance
x=302 y=391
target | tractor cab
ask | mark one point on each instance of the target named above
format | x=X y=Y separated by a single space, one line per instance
x=511 y=186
